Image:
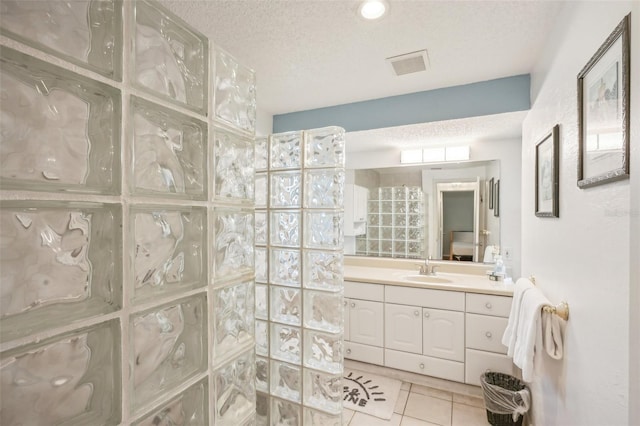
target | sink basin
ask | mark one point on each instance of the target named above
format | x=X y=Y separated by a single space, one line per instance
x=434 y=279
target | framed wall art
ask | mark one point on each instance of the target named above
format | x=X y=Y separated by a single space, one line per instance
x=603 y=112
x=547 y=174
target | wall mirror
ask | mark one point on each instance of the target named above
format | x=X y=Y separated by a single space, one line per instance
x=437 y=210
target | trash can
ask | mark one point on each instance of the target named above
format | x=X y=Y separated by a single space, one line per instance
x=506 y=398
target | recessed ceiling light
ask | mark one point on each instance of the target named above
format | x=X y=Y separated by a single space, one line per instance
x=373 y=9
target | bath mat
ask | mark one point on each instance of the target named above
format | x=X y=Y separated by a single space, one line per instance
x=369 y=393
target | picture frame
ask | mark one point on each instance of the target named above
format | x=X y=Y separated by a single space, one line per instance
x=491 y=194
x=496 y=198
x=548 y=174
x=603 y=111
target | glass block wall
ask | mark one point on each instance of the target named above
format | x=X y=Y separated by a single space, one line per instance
x=126 y=219
x=299 y=277
x=396 y=223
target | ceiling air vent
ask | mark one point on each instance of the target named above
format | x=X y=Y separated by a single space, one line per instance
x=409 y=63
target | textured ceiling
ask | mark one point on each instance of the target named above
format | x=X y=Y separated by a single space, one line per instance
x=309 y=54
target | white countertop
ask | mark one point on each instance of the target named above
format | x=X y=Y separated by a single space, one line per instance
x=402 y=275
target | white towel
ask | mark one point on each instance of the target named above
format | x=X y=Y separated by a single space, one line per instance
x=509 y=336
x=552 y=335
x=530 y=322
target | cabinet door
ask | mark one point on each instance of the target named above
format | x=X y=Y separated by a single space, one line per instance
x=365 y=322
x=443 y=334
x=345 y=317
x=403 y=328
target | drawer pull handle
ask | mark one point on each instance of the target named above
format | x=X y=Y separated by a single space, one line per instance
x=426 y=314
x=488 y=334
x=353 y=305
x=349 y=351
x=422 y=366
x=417 y=313
x=488 y=305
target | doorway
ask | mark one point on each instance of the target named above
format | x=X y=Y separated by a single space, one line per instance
x=459 y=220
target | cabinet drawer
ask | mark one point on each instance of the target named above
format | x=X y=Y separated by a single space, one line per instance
x=488 y=304
x=428 y=298
x=442 y=368
x=485 y=333
x=477 y=362
x=364 y=291
x=363 y=353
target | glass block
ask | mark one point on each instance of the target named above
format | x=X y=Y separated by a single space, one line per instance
x=285 y=343
x=235 y=390
x=323 y=230
x=262 y=153
x=234 y=167
x=323 y=270
x=169 y=250
x=169 y=58
x=233 y=318
x=286 y=381
x=400 y=247
x=374 y=194
x=262 y=301
x=386 y=219
x=284 y=228
x=60 y=262
x=400 y=220
x=386 y=207
x=400 y=233
x=386 y=232
x=414 y=207
x=286 y=305
x=262 y=374
x=262 y=338
x=261 y=265
x=414 y=233
x=285 y=190
x=169 y=346
x=233 y=246
x=261 y=190
x=323 y=311
x=323 y=351
x=286 y=150
x=235 y=92
x=399 y=193
x=284 y=267
x=323 y=391
x=374 y=219
x=399 y=207
x=414 y=220
x=285 y=413
x=324 y=189
x=324 y=147
x=386 y=193
x=262 y=409
x=60 y=132
x=86 y=33
x=318 y=418
x=169 y=152
x=373 y=246
x=261 y=228
x=69 y=379
x=190 y=408
x=386 y=246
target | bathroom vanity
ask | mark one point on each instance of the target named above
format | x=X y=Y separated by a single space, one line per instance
x=448 y=325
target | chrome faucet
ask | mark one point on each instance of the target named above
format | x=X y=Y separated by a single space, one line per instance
x=427 y=268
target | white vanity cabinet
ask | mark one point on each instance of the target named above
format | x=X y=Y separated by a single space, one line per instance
x=486 y=319
x=448 y=334
x=364 y=322
x=355 y=210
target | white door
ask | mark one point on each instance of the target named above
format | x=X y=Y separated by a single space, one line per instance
x=443 y=334
x=403 y=328
x=365 y=322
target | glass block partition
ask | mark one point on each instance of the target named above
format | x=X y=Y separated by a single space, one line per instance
x=299 y=277
x=127 y=291
x=396 y=223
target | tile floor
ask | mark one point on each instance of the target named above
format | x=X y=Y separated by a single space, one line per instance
x=423 y=406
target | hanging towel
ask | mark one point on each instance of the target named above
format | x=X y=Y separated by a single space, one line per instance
x=530 y=322
x=509 y=336
x=552 y=335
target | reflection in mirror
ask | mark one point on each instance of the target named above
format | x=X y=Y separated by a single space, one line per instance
x=440 y=211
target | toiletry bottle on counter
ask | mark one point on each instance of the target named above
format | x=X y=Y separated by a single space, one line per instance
x=499 y=269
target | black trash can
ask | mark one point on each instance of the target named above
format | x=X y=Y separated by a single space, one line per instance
x=502 y=393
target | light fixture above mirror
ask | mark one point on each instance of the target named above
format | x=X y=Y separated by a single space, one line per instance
x=435 y=155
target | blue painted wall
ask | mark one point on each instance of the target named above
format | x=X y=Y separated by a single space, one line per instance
x=471 y=100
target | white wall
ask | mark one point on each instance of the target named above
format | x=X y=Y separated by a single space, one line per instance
x=264 y=123
x=582 y=257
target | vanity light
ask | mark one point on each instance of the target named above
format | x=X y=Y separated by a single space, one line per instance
x=410 y=156
x=373 y=9
x=435 y=155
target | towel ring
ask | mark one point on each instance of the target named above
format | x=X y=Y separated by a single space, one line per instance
x=561 y=310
